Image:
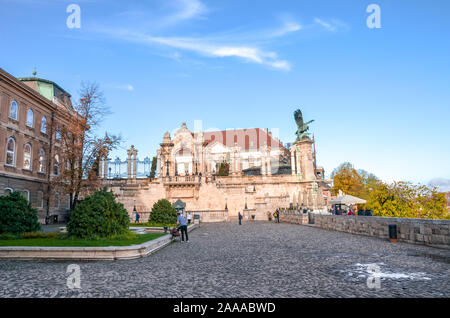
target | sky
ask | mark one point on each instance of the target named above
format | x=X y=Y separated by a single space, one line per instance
x=380 y=97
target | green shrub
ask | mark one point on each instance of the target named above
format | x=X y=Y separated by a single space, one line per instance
x=34 y=235
x=7 y=236
x=163 y=212
x=17 y=215
x=98 y=216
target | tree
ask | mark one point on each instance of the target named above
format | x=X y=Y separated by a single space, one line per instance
x=163 y=212
x=224 y=169
x=369 y=181
x=17 y=215
x=153 y=169
x=82 y=148
x=98 y=215
x=347 y=179
x=407 y=200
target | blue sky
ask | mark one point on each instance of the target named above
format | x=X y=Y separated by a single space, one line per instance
x=380 y=97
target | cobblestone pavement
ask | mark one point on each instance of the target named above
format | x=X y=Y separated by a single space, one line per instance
x=259 y=259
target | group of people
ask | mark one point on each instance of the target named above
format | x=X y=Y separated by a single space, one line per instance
x=276 y=215
x=338 y=210
x=182 y=223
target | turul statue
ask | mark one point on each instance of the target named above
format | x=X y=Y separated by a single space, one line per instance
x=302 y=126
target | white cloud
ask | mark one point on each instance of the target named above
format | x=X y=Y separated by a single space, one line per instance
x=332 y=25
x=207 y=48
x=126 y=87
x=288 y=27
x=325 y=24
x=186 y=10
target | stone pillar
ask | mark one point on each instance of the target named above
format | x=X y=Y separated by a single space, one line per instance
x=293 y=161
x=263 y=163
x=296 y=162
x=100 y=167
x=166 y=155
x=105 y=167
x=129 y=162
x=307 y=167
x=134 y=163
x=158 y=163
x=269 y=162
x=238 y=163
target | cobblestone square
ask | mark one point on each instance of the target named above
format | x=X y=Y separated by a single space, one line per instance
x=256 y=259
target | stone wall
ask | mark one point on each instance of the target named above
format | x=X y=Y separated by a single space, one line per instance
x=293 y=216
x=418 y=231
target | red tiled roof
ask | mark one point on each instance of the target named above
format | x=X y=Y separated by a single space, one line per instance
x=252 y=138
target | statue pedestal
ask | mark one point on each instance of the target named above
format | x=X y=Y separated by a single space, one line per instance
x=302 y=160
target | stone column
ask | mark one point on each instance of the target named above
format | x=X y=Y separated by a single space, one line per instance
x=129 y=162
x=293 y=161
x=306 y=160
x=134 y=163
x=269 y=162
x=105 y=167
x=100 y=166
x=158 y=163
x=263 y=162
x=238 y=163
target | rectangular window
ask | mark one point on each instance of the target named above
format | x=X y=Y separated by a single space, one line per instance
x=40 y=200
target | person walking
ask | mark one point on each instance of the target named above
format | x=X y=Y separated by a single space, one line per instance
x=137 y=217
x=182 y=226
x=189 y=218
x=276 y=215
x=240 y=218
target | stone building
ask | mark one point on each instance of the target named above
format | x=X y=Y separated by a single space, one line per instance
x=32 y=113
x=188 y=170
x=202 y=153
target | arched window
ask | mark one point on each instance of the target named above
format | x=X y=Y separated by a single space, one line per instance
x=26 y=195
x=27 y=157
x=42 y=161
x=56 y=166
x=13 y=110
x=44 y=125
x=8 y=191
x=58 y=133
x=30 y=118
x=11 y=152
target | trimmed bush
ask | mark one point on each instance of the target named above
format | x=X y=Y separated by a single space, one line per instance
x=34 y=235
x=163 y=212
x=7 y=236
x=98 y=216
x=17 y=215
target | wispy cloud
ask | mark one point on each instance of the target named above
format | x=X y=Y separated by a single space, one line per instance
x=205 y=47
x=287 y=27
x=125 y=87
x=185 y=10
x=332 y=25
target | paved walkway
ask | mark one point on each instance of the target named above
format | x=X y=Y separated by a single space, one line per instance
x=258 y=259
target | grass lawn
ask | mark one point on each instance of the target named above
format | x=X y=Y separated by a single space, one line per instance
x=79 y=242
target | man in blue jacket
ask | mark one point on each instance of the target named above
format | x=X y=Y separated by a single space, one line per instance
x=182 y=226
